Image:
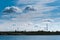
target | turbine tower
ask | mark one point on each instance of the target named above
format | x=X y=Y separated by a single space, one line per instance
x=47 y=22
x=47 y=27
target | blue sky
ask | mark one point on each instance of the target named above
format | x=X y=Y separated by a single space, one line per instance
x=27 y=14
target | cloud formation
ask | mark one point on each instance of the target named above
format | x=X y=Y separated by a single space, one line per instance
x=12 y=9
x=29 y=8
x=47 y=20
x=11 y=12
x=34 y=1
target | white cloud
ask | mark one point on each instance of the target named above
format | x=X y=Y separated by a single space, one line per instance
x=12 y=9
x=47 y=1
x=11 y=12
x=39 y=8
x=28 y=26
x=34 y=1
x=47 y=20
x=29 y=8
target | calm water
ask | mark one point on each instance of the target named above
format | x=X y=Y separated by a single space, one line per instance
x=25 y=37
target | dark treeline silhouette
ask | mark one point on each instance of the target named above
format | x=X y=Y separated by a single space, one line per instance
x=29 y=33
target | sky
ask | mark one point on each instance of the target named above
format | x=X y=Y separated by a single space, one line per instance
x=29 y=15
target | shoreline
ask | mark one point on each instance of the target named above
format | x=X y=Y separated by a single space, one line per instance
x=29 y=33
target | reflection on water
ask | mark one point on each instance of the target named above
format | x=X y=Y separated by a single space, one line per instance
x=30 y=37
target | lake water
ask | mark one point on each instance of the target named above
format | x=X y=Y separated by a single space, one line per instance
x=30 y=37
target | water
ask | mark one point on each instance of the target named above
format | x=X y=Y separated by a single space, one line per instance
x=27 y=37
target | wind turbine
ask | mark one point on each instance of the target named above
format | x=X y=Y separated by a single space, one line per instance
x=47 y=22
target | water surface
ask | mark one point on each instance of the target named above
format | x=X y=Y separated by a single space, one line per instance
x=30 y=37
